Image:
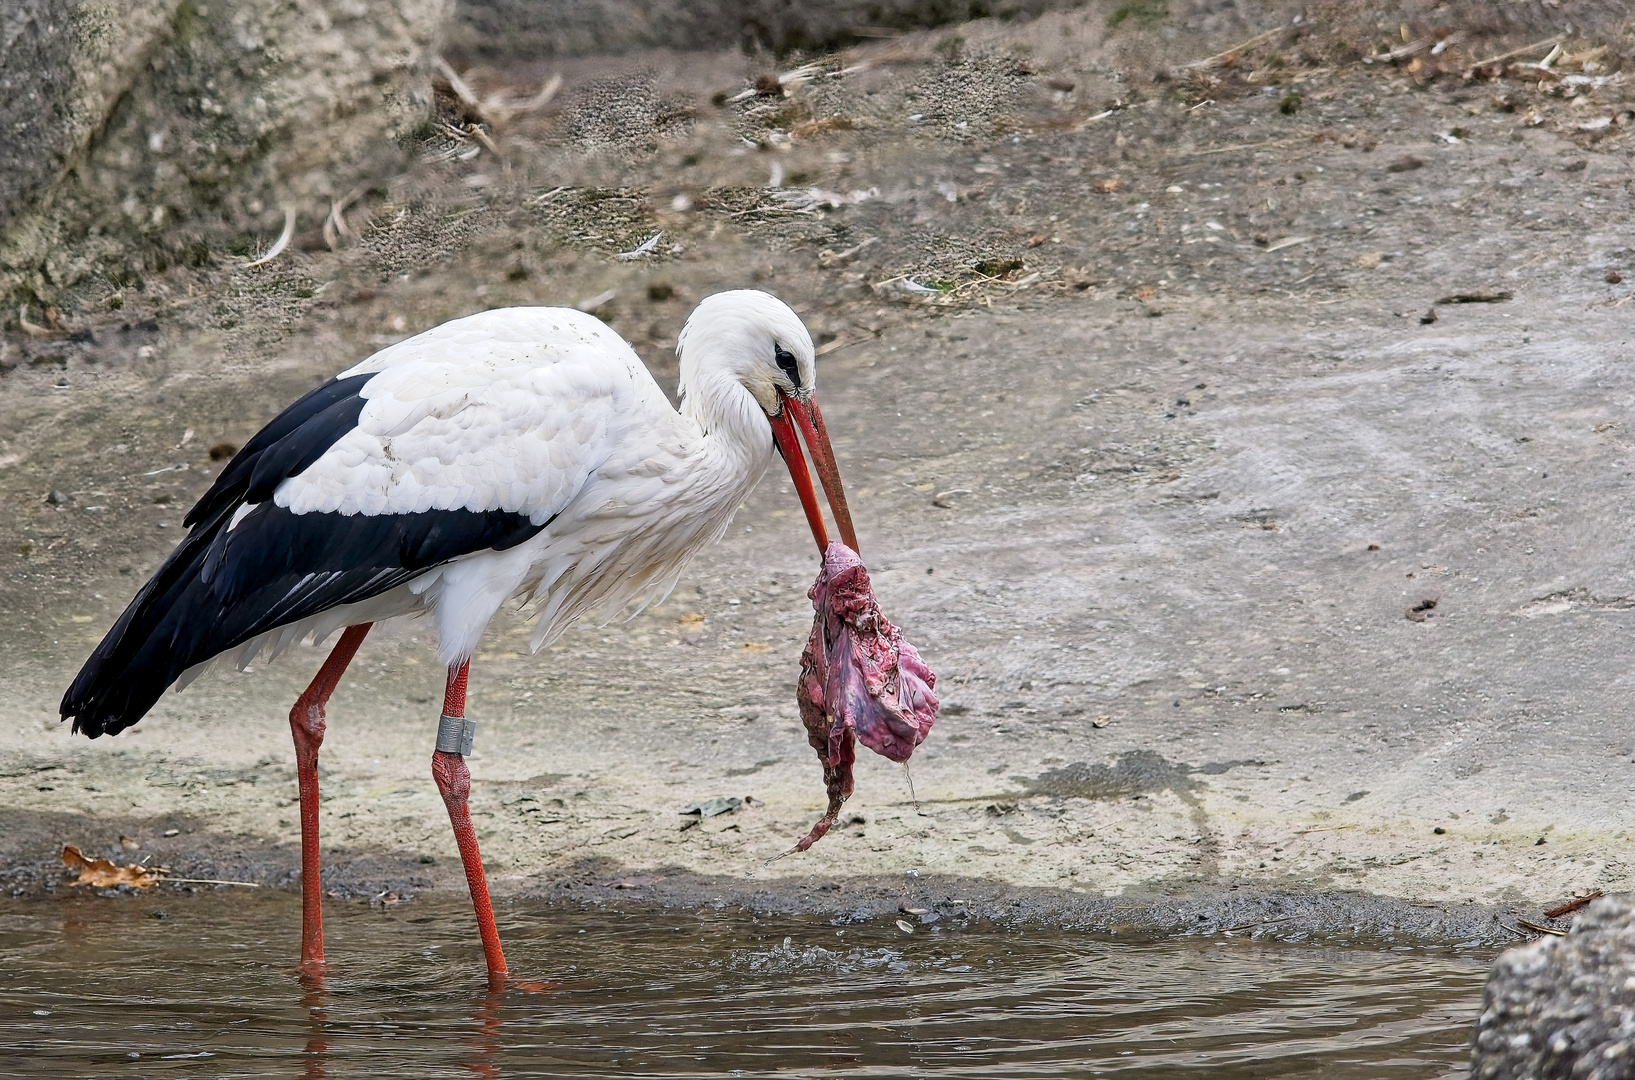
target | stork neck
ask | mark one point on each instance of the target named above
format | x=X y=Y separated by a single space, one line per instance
x=729 y=418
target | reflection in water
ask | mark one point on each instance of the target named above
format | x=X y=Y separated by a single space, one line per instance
x=317 y=1022
x=210 y=991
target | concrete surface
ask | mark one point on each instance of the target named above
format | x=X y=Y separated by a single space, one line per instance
x=1167 y=518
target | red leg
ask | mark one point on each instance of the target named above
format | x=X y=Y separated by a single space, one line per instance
x=307 y=725
x=448 y=768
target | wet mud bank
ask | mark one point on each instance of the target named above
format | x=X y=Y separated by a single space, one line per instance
x=913 y=900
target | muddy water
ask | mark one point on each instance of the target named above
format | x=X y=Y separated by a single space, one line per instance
x=205 y=989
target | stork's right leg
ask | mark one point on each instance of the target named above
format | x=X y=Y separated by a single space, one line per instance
x=448 y=768
x=307 y=725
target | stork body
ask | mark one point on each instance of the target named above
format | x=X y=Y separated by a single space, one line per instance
x=523 y=453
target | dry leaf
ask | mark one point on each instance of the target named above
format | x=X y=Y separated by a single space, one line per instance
x=1110 y=184
x=103 y=873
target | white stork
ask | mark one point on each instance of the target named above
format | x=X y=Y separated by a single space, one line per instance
x=521 y=453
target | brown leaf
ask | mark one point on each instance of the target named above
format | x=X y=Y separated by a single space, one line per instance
x=103 y=873
x=1574 y=904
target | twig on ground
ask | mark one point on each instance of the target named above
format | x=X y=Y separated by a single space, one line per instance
x=482 y=136
x=1551 y=930
x=1572 y=905
x=512 y=107
x=1250 y=146
x=1402 y=52
x=1513 y=53
x=1236 y=50
x=836 y=345
x=335 y=227
x=281 y=243
x=461 y=88
x=1286 y=242
x=835 y=258
x=32 y=329
x=495 y=109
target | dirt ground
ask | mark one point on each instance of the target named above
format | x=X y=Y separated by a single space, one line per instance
x=1248 y=446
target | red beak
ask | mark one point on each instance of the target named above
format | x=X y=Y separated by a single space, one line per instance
x=804 y=412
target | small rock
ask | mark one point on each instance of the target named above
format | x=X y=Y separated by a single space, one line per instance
x=56 y=498
x=713 y=807
x=1422 y=610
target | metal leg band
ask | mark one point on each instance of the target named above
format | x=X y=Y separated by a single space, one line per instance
x=455 y=734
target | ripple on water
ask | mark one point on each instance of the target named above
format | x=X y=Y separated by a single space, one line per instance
x=101 y=986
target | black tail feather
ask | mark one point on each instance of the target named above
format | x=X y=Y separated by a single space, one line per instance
x=110 y=693
x=219 y=590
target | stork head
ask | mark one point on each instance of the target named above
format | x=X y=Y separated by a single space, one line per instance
x=756 y=340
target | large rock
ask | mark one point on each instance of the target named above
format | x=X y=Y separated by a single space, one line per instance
x=1563 y=1007
x=61 y=69
x=530 y=29
x=504 y=29
x=141 y=132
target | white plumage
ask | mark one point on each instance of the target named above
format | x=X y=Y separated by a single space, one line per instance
x=548 y=413
x=522 y=454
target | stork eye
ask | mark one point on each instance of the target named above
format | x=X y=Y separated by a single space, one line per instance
x=786 y=361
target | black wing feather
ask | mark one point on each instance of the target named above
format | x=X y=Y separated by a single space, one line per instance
x=223 y=587
x=299 y=434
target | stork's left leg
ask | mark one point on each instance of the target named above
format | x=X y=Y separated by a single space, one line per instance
x=307 y=725
x=448 y=768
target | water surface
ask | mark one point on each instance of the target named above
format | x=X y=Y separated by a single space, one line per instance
x=106 y=987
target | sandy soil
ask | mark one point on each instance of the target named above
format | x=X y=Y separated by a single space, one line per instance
x=1159 y=455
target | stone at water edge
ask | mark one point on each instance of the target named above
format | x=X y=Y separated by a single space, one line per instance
x=859 y=681
x=1563 y=1007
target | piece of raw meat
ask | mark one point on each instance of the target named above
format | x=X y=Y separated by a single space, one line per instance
x=858 y=680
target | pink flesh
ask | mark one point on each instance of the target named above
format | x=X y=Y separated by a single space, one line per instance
x=859 y=680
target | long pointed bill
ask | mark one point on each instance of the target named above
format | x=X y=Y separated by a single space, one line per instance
x=810 y=420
